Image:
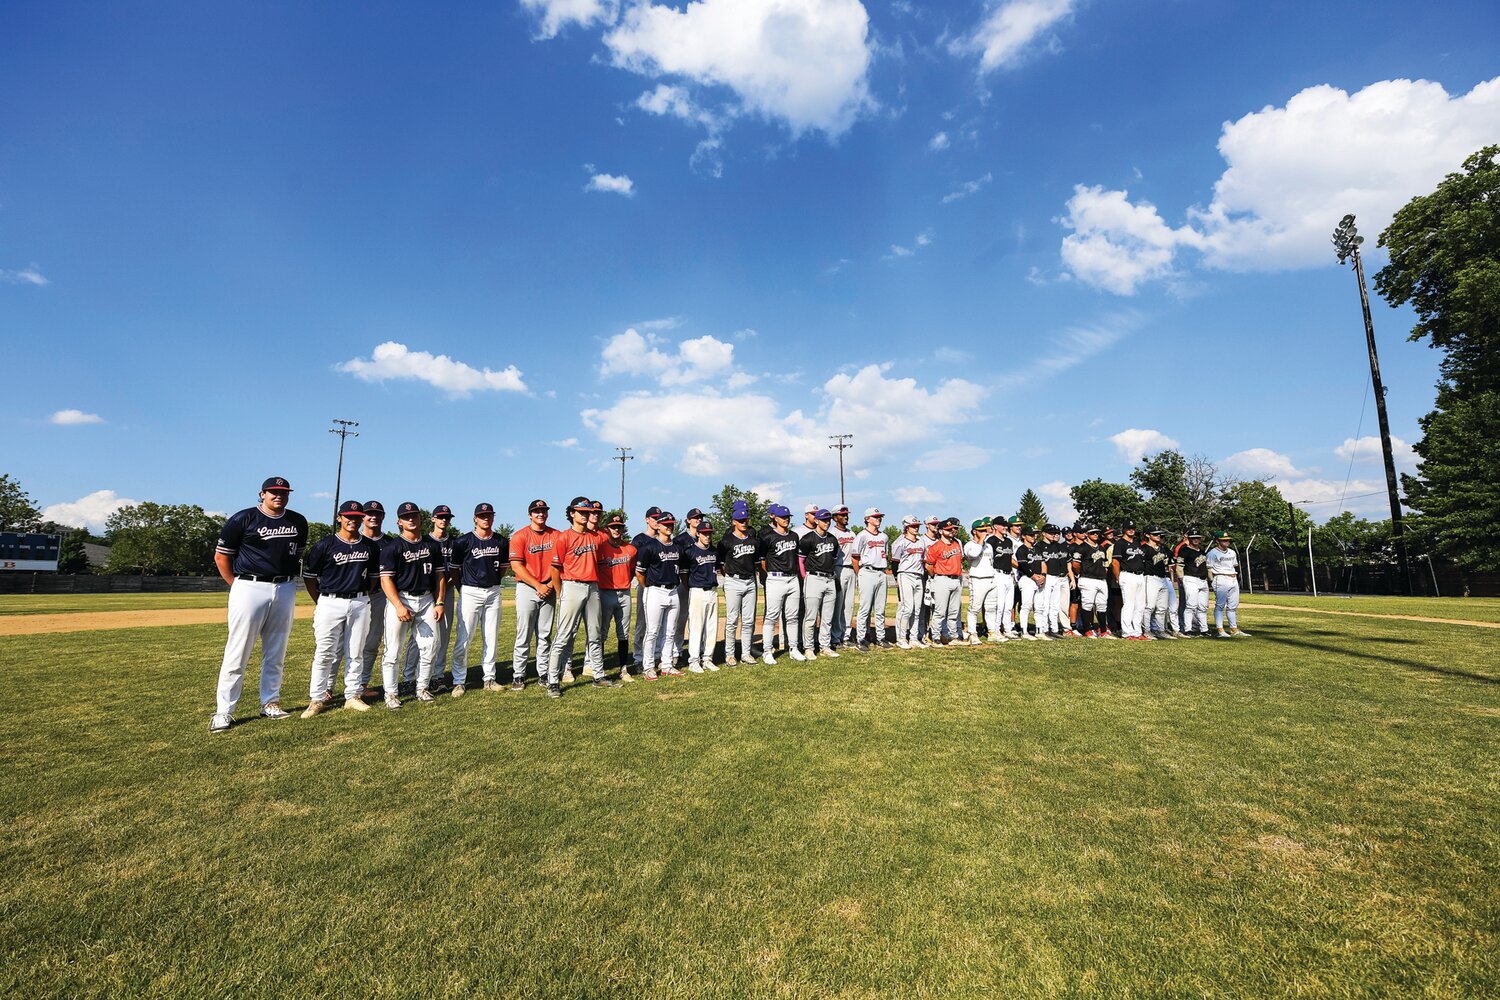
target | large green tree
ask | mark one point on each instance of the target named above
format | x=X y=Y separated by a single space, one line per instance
x=1182 y=492
x=1106 y=504
x=1031 y=510
x=160 y=539
x=722 y=503
x=71 y=557
x=16 y=510
x=1445 y=263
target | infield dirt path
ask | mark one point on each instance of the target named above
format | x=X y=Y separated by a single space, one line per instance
x=1371 y=614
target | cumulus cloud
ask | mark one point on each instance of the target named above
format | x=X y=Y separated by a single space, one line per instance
x=1260 y=463
x=1133 y=444
x=24 y=276
x=565 y=443
x=554 y=15
x=1291 y=173
x=89 y=511
x=70 y=418
x=393 y=361
x=1367 y=449
x=1057 y=496
x=967 y=188
x=696 y=360
x=1009 y=29
x=611 y=184
x=914 y=496
x=771 y=492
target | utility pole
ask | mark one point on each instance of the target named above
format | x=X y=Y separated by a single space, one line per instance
x=623 y=457
x=1346 y=241
x=841 y=445
x=343 y=431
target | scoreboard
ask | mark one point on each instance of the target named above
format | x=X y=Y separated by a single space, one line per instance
x=26 y=552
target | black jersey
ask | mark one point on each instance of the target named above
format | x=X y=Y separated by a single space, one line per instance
x=1193 y=562
x=342 y=567
x=1093 y=561
x=480 y=562
x=779 y=551
x=1002 y=552
x=261 y=545
x=702 y=564
x=820 y=553
x=739 y=556
x=1028 y=560
x=1056 y=556
x=1130 y=555
x=660 y=561
x=415 y=567
x=1158 y=560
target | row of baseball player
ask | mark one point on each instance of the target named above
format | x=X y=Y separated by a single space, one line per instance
x=825 y=587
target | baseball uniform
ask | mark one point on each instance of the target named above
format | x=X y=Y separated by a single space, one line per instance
x=1091 y=564
x=537 y=551
x=479 y=566
x=1194 y=566
x=783 y=589
x=616 y=571
x=908 y=556
x=659 y=568
x=944 y=562
x=820 y=558
x=739 y=555
x=265 y=557
x=578 y=602
x=1131 y=556
x=843 y=600
x=871 y=549
x=1029 y=565
x=982 y=593
x=1224 y=572
x=444 y=627
x=701 y=562
x=342 y=572
x=417 y=570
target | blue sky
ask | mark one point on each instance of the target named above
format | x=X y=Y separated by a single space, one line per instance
x=1005 y=245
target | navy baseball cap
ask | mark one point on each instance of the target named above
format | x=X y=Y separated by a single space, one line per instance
x=665 y=517
x=653 y=512
x=374 y=507
x=537 y=505
x=779 y=510
x=695 y=512
x=351 y=508
x=276 y=483
x=408 y=509
x=484 y=510
x=618 y=519
x=705 y=527
x=442 y=510
x=740 y=511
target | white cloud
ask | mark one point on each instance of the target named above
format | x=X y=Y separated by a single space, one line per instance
x=771 y=492
x=1008 y=30
x=87 y=512
x=696 y=360
x=1057 y=496
x=611 y=184
x=68 y=418
x=939 y=142
x=391 y=360
x=558 y=14
x=1074 y=345
x=564 y=443
x=801 y=62
x=323 y=495
x=923 y=239
x=967 y=188
x=665 y=323
x=25 y=276
x=1291 y=173
x=953 y=356
x=913 y=496
x=1260 y=463
x=1134 y=443
x=953 y=458
x=1367 y=449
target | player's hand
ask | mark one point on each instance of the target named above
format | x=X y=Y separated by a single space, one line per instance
x=404 y=614
x=437 y=613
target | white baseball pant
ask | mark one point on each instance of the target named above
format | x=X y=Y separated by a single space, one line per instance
x=1226 y=599
x=1154 y=619
x=1093 y=596
x=421 y=630
x=1132 y=603
x=982 y=602
x=339 y=627
x=371 y=653
x=662 y=609
x=1195 y=604
x=1031 y=604
x=256 y=611
x=703 y=624
x=441 y=633
x=478 y=610
x=1055 y=604
x=1005 y=600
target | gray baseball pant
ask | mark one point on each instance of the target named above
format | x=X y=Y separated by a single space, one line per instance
x=533 y=615
x=843 y=607
x=783 y=600
x=817 y=604
x=638 y=635
x=578 y=604
x=869 y=622
x=945 y=598
x=614 y=609
x=739 y=615
x=372 y=640
x=908 y=600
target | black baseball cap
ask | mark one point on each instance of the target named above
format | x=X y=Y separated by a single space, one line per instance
x=408 y=509
x=705 y=527
x=537 y=505
x=579 y=503
x=442 y=510
x=653 y=512
x=618 y=519
x=1194 y=533
x=695 y=512
x=276 y=483
x=1049 y=529
x=484 y=510
x=375 y=507
x=351 y=508
x=665 y=517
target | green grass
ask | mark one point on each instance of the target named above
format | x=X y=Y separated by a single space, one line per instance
x=1310 y=812
x=1474 y=609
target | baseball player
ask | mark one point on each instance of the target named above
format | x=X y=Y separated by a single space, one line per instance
x=479 y=559
x=1224 y=572
x=616 y=571
x=981 y=580
x=820 y=557
x=537 y=567
x=994 y=544
x=1074 y=538
x=802 y=531
x=373 y=530
x=1090 y=567
x=1056 y=560
x=1009 y=595
x=442 y=517
x=908 y=552
x=869 y=556
x=945 y=568
x=337 y=574
x=578 y=602
x=934 y=532
x=701 y=560
x=1129 y=563
x=1032 y=573
x=739 y=559
x=1192 y=570
x=779 y=568
x=258 y=554
x=843 y=598
x=639 y=541
x=593 y=657
x=1158 y=569
x=1115 y=616
x=684 y=539
x=414 y=578
x=658 y=572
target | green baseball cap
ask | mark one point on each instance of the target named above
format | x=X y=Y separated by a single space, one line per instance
x=983 y=522
x=1014 y=519
x=1223 y=536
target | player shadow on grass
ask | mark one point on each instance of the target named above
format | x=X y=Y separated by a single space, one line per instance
x=1285 y=634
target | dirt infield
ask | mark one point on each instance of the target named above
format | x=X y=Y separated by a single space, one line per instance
x=97 y=621
x=1371 y=614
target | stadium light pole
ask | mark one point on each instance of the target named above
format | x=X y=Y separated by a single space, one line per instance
x=344 y=432
x=623 y=457
x=841 y=444
x=1346 y=241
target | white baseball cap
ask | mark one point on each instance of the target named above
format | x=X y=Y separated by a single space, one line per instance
x=811 y=508
x=910 y=520
x=874 y=512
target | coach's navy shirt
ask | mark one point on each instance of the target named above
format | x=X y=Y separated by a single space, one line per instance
x=480 y=560
x=342 y=567
x=261 y=545
x=415 y=566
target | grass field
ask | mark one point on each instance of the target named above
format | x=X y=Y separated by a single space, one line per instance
x=1477 y=609
x=1312 y=812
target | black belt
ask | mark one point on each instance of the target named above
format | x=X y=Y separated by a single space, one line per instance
x=826 y=576
x=705 y=586
x=348 y=596
x=949 y=576
x=738 y=576
x=416 y=593
x=263 y=579
x=663 y=586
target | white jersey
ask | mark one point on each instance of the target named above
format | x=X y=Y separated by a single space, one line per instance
x=1222 y=562
x=980 y=565
x=846 y=543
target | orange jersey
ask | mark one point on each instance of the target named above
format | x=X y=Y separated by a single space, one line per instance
x=536 y=550
x=616 y=566
x=579 y=554
x=945 y=558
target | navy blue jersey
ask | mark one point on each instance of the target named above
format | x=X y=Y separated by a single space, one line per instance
x=779 y=551
x=445 y=544
x=1131 y=556
x=660 y=561
x=480 y=562
x=415 y=566
x=737 y=555
x=702 y=566
x=261 y=545
x=820 y=553
x=342 y=567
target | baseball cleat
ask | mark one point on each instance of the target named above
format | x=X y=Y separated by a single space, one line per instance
x=567 y=676
x=694 y=668
x=588 y=672
x=491 y=685
x=458 y=690
x=1236 y=633
x=603 y=682
x=519 y=684
x=272 y=710
x=671 y=672
x=830 y=654
x=711 y=667
x=425 y=695
x=974 y=640
x=650 y=675
x=729 y=660
x=798 y=655
x=625 y=677
x=314 y=708
x=554 y=690
x=392 y=702
x=768 y=660
x=357 y=704
x=220 y=723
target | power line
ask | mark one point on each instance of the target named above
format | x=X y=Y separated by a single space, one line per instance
x=1373 y=493
x=623 y=457
x=343 y=431
x=841 y=445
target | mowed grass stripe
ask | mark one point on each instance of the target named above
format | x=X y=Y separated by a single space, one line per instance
x=1310 y=811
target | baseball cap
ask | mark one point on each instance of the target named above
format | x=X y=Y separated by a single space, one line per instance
x=1223 y=536
x=950 y=522
x=484 y=510
x=841 y=509
x=1050 y=529
x=617 y=519
x=276 y=483
x=579 y=503
x=653 y=512
x=351 y=508
x=374 y=507
x=1028 y=529
x=665 y=517
x=1154 y=530
x=740 y=511
x=874 y=512
x=910 y=521
x=1013 y=519
x=408 y=509
x=822 y=514
x=934 y=519
x=442 y=510
x=779 y=510
x=694 y=512
x=1194 y=533
x=811 y=508
x=1091 y=530
x=595 y=505
x=705 y=527
x=982 y=522
x=537 y=505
